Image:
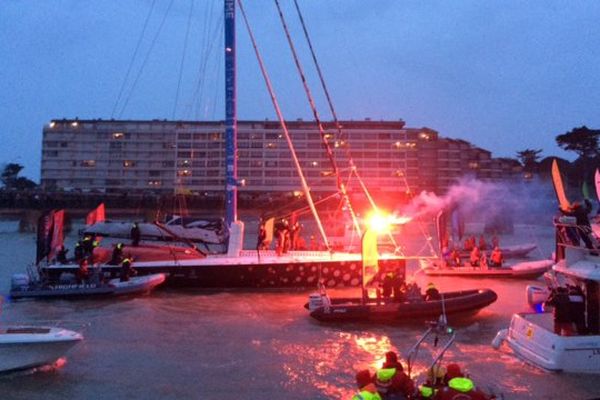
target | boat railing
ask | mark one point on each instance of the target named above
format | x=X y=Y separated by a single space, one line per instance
x=438 y=329
x=571 y=235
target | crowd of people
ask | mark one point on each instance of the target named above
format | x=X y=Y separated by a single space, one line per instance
x=390 y=382
x=477 y=253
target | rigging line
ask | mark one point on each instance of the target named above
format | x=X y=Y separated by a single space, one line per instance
x=137 y=47
x=336 y=120
x=284 y=128
x=185 y=45
x=196 y=100
x=309 y=96
x=162 y=23
x=206 y=22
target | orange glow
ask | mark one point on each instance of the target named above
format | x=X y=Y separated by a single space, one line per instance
x=377 y=346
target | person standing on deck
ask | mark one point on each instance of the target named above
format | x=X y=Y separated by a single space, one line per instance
x=475 y=255
x=135 y=234
x=559 y=300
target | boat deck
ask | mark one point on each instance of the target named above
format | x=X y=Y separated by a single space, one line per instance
x=543 y=320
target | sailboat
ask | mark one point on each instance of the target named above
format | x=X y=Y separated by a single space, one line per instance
x=237 y=267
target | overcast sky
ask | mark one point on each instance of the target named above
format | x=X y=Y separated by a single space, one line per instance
x=504 y=75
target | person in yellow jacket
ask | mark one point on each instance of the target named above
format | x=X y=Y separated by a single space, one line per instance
x=366 y=387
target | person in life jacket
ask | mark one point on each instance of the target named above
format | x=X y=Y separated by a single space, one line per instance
x=117 y=255
x=366 y=387
x=78 y=252
x=435 y=381
x=432 y=293
x=126 y=270
x=461 y=388
x=482 y=243
x=496 y=258
x=391 y=380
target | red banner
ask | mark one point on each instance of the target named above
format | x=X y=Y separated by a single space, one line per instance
x=96 y=215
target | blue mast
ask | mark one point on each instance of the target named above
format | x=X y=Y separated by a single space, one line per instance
x=231 y=178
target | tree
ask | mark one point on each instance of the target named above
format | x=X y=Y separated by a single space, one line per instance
x=583 y=141
x=11 y=180
x=530 y=159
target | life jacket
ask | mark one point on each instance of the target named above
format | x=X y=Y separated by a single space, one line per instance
x=383 y=379
x=461 y=384
x=426 y=391
x=368 y=392
x=496 y=256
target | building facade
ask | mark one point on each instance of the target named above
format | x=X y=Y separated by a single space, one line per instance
x=161 y=156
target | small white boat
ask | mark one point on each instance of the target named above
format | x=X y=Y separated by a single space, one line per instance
x=531 y=335
x=521 y=270
x=26 y=347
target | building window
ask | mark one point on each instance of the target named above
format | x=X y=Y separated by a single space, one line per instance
x=184 y=172
x=128 y=163
x=184 y=154
x=88 y=163
x=185 y=136
x=118 y=135
x=153 y=173
x=168 y=164
x=154 y=183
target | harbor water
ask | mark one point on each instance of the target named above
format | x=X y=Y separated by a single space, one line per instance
x=197 y=344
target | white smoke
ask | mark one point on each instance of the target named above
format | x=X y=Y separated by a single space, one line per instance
x=479 y=200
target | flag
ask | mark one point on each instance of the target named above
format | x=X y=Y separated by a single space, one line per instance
x=44 y=235
x=56 y=236
x=96 y=215
x=370 y=256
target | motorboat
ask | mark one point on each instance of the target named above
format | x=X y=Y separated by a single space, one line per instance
x=518 y=270
x=26 y=347
x=532 y=335
x=458 y=305
x=31 y=286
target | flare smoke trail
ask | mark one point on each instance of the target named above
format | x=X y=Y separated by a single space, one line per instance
x=477 y=200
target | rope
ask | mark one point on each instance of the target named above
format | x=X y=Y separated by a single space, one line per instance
x=185 y=45
x=284 y=128
x=162 y=23
x=338 y=125
x=137 y=47
x=311 y=102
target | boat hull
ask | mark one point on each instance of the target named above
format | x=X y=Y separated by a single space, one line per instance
x=531 y=337
x=25 y=348
x=455 y=305
x=525 y=270
x=85 y=290
x=301 y=269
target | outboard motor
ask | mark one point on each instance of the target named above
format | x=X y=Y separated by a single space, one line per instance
x=536 y=296
x=19 y=281
x=318 y=300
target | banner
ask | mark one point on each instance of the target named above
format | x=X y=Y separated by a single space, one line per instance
x=370 y=256
x=96 y=215
x=269 y=228
x=57 y=234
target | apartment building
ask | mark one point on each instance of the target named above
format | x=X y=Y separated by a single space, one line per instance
x=160 y=156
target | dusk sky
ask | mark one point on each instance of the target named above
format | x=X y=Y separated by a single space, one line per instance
x=504 y=75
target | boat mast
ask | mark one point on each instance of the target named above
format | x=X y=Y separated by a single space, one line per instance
x=231 y=178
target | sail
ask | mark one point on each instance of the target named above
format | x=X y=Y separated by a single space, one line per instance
x=370 y=256
x=44 y=235
x=96 y=215
x=559 y=187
